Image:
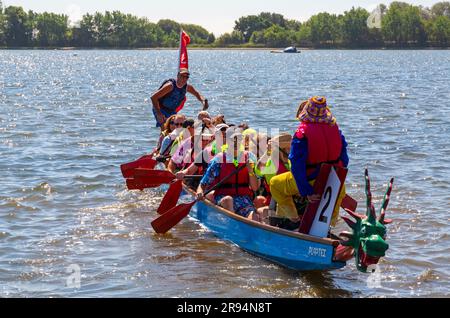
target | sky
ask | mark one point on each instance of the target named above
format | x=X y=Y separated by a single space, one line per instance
x=216 y=16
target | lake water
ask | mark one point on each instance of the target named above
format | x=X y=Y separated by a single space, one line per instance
x=68 y=119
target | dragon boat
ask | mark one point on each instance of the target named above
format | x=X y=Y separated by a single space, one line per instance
x=299 y=251
x=313 y=246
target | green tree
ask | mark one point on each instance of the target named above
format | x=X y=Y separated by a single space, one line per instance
x=440 y=31
x=403 y=25
x=273 y=36
x=2 y=25
x=235 y=38
x=249 y=24
x=169 y=26
x=17 y=29
x=324 y=29
x=293 y=25
x=303 y=36
x=51 y=29
x=211 y=38
x=273 y=18
x=391 y=25
x=198 y=34
x=441 y=9
x=85 y=35
x=171 y=29
x=413 y=26
x=354 y=27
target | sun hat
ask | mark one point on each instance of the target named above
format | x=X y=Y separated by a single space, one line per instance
x=316 y=110
x=283 y=140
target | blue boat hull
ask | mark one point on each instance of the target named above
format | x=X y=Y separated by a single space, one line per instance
x=287 y=248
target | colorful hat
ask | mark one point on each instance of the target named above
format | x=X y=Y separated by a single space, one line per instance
x=316 y=111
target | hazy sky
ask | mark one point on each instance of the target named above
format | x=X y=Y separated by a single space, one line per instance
x=215 y=16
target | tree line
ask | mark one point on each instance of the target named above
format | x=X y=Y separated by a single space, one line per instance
x=401 y=25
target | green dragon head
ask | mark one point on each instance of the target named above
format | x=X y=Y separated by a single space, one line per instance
x=369 y=234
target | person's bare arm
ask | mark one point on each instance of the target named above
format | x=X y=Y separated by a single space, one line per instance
x=199 y=192
x=186 y=172
x=253 y=180
x=163 y=91
x=172 y=167
x=202 y=99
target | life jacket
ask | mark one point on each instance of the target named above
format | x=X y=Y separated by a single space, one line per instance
x=324 y=145
x=282 y=168
x=174 y=101
x=238 y=185
x=270 y=167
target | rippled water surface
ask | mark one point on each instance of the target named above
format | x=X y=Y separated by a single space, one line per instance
x=68 y=119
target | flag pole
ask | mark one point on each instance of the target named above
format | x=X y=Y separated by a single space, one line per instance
x=179 y=50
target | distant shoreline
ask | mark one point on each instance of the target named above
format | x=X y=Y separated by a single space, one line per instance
x=226 y=48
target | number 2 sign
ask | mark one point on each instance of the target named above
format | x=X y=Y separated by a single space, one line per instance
x=322 y=220
x=317 y=217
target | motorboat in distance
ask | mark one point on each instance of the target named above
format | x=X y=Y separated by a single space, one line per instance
x=291 y=49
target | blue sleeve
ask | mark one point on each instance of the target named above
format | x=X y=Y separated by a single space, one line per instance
x=298 y=156
x=211 y=173
x=165 y=145
x=344 y=156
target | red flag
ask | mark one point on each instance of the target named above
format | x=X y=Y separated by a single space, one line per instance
x=184 y=41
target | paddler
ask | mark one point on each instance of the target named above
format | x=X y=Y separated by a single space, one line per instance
x=169 y=99
x=236 y=193
x=317 y=140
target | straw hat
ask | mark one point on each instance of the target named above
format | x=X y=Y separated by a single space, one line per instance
x=283 y=141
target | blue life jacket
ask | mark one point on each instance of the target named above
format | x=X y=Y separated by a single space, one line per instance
x=173 y=100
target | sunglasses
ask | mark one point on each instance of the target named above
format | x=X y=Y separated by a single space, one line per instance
x=185 y=76
x=178 y=124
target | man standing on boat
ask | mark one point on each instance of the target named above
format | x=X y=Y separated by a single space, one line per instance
x=169 y=99
x=317 y=140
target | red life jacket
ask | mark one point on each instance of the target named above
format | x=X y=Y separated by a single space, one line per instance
x=237 y=185
x=324 y=144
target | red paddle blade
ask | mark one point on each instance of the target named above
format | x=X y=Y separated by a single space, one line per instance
x=140 y=184
x=152 y=173
x=172 y=217
x=156 y=177
x=144 y=162
x=171 y=197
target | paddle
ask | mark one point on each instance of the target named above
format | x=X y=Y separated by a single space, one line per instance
x=149 y=178
x=171 y=197
x=169 y=219
x=156 y=176
x=143 y=162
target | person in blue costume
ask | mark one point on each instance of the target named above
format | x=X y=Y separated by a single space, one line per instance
x=170 y=97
